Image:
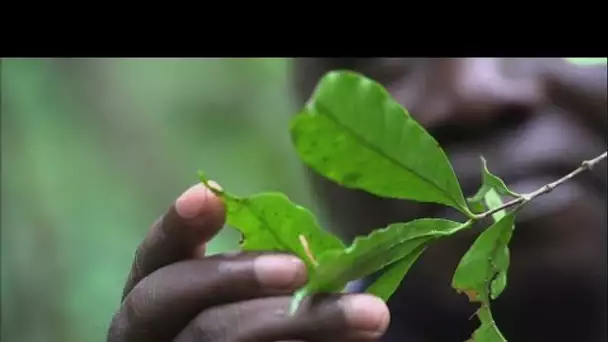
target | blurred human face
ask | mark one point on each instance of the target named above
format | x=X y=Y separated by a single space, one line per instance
x=534 y=120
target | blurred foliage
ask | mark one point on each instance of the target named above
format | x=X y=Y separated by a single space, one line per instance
x=588 y=61
x=94 y=150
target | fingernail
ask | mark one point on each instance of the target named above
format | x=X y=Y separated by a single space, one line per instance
x=366 y=313
x=279 y=271
x=191 y=203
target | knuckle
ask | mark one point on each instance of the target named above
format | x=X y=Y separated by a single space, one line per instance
x=142 y=256
x=215 y=331
x=212 y=326
x=137 y=304
x=233 y=268
x=138 y=259
x=118 y=328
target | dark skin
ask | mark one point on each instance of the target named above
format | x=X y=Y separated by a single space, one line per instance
x=175 y=293
x=533 y=119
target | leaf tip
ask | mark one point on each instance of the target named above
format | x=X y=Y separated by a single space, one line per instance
x=202 y=176
x=296 y=300
x=484 y=162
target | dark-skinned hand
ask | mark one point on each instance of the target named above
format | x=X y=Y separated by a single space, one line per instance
x=176 y=293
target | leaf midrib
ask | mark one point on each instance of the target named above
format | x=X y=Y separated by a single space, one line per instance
x=378 y=250
x=265 y=223
x=370 y=146
x=366 y=259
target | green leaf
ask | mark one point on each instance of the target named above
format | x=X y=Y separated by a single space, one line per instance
x=484 y=266
x=482 y=272
x=371 y=253
x=487 y=331
x=389 y=281
x=489 y=181
x=476 y=205
x=493 y=200
x=494 y=181
x=353 y=132
x=271 y=222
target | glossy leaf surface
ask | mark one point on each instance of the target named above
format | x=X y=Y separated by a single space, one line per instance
x=353 y=132
x=271 y=222
x=372 y=253
x=389 y=281
x=486 y=262
x=489 y=182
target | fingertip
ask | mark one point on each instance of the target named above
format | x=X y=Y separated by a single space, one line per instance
x=181 y=233
x=280 y=271
x=366 y=313
x=200 y=201
x=190 y=203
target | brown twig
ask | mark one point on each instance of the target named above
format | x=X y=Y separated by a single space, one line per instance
x=585 y=165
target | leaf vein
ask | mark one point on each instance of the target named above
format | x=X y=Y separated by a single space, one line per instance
x=370 y=146
x=267 y=226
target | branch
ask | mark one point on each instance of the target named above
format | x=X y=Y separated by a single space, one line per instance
x=585 y=165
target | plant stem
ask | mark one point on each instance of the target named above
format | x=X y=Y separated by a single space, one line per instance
x=585 y=165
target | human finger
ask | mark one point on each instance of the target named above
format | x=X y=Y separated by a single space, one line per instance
x=328 y=318
x=194 y=218
x=164 y=302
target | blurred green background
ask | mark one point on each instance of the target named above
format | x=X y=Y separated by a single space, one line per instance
x=94 y=150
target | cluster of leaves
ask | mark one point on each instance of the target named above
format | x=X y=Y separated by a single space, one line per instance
x=354 y=133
